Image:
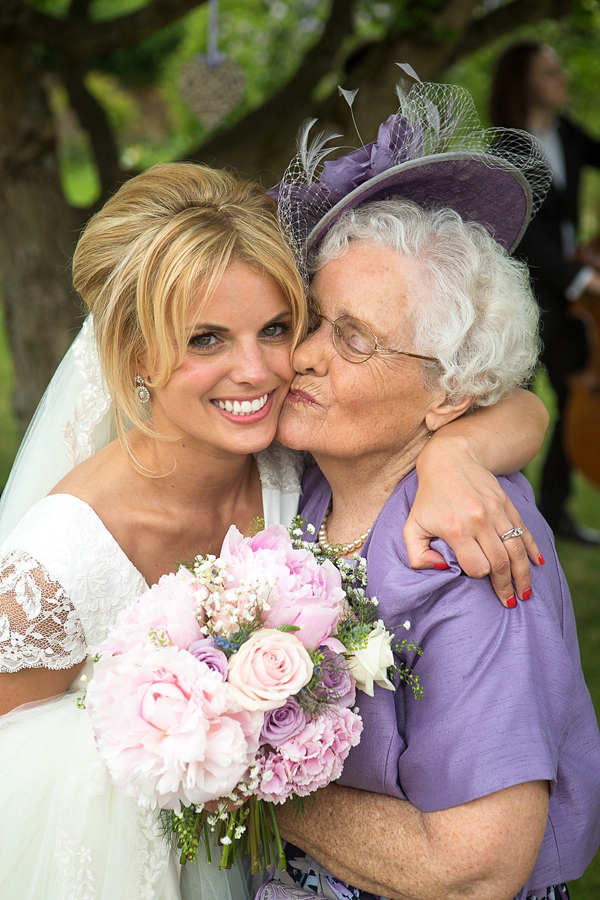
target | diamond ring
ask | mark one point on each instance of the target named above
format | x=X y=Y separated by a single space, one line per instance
x=514 y=532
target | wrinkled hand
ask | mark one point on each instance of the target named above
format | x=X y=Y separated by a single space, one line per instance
x=461 y=502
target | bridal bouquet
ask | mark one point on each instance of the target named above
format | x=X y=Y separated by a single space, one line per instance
x=228 y=686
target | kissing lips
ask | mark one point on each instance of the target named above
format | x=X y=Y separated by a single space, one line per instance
x=300 y=397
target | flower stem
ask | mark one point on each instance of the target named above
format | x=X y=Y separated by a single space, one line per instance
x=281 y=864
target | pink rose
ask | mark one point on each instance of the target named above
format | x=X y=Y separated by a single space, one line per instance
x=167 y=728
x=269 y=667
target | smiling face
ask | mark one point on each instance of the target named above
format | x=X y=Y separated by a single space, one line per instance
x=377 y=409
x=227 y=393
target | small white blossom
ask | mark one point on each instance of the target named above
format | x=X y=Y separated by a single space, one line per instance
x=406 y=624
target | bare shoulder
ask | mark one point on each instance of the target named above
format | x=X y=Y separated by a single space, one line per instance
x=97 y=479
x=119 y=496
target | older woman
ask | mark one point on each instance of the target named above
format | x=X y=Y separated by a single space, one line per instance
x=420 y=315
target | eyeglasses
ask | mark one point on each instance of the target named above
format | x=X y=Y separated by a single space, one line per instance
x=355 y=341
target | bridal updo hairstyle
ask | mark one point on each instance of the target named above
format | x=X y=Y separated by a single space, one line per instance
x=480 y=320
x=158 y=245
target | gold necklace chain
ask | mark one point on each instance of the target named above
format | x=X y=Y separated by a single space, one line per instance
x=340 y=549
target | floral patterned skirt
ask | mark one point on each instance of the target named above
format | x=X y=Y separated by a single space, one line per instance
x=304 y=875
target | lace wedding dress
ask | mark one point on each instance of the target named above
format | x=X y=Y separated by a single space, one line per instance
x=65 y=833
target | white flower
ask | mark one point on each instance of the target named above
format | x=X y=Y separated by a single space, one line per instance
x=370 y=664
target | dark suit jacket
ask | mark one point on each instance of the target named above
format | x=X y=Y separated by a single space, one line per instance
x=541 y=248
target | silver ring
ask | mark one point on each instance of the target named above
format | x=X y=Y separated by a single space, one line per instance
x=514 y=532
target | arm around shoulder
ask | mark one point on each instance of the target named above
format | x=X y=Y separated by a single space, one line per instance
x=460 y=500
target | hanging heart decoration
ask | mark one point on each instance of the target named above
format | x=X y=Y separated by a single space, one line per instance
x=211 y=90
x=212 y=85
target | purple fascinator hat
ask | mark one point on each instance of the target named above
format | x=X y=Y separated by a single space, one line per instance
x=433 y=151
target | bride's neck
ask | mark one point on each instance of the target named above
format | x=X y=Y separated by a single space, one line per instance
x=191 y=477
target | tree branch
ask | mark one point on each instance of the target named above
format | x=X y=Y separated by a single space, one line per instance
x=506 y=19
x=73 y=37
x=94 y=120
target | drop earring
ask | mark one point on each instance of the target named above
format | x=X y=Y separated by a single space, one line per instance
x=143 y=394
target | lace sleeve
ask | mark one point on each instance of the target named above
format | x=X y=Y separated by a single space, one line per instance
x=39 y=625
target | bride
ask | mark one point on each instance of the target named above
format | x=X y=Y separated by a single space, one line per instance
x=195 y=306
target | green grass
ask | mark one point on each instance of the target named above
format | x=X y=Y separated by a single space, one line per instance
x=581 y=565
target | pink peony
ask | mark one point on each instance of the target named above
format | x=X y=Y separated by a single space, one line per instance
x=167 y=728
x=310 y=760
x=268 y=668
x=168 y=607
x=302 y=592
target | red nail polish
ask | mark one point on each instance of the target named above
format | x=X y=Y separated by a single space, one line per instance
x=527 y=594
x=541 y=559
x=511 y=602
x=441 y=566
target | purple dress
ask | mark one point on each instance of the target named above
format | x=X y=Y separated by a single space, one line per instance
x=505 y=700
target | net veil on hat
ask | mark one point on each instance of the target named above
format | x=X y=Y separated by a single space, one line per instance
x=433 y=151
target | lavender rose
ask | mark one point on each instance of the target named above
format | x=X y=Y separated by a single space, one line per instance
x=336 y=682
x=205 y=651
x=282 y=724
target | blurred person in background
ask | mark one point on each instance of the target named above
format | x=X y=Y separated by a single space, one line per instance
x=529 y=91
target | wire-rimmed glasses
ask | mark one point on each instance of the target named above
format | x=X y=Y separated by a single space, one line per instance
x=355 y=341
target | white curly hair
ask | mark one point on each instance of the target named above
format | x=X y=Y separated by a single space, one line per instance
x=481 y=321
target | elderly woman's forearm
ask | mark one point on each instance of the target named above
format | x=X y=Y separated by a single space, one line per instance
x=503 y=437
x=484 y=850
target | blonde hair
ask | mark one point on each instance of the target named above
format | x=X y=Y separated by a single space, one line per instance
x=142 y=257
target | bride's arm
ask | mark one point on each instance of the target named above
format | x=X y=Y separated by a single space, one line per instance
x=39 y=624
x=29 y=685
x=460 y=500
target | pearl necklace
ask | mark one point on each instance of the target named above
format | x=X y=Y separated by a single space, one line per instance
x=340 y=549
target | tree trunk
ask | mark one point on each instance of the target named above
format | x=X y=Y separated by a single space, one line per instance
x=38 y=231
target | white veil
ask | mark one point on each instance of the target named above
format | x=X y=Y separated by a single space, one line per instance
x=74 y=418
